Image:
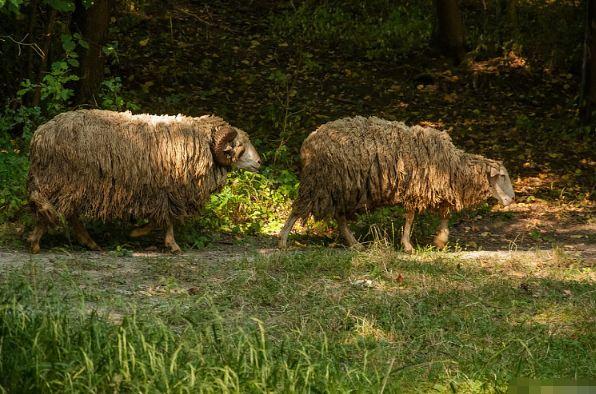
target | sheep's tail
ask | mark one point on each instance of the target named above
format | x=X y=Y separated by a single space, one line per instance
x=44 y=209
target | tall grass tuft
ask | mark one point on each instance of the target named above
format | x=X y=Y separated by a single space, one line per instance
x=46 y=347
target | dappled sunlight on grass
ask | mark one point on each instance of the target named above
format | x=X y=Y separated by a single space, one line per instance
x=431 y=318
x=565 y=319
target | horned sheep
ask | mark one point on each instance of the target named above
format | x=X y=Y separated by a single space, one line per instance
x=108 y=166
x=356 y=164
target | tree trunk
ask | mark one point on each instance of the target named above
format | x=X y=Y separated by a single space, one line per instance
x=449 y=32
x=588 y=86
x=43 y=64
x=512 y=13
x=31 y=36
x=92 y=24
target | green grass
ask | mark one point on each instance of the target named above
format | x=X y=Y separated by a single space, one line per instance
x=321 y=320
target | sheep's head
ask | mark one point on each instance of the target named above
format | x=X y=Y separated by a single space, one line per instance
x=232 y=147
x=501 y=184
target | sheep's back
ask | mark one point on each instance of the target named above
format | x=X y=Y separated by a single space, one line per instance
x=110 y=165
x=356 y=164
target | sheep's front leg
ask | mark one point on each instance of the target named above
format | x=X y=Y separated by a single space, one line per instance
x=405 y=237
x=35 y=236
x=169 y=239
x=347 y=234
x=283 y=234
x=443 y=232
x=81 y=234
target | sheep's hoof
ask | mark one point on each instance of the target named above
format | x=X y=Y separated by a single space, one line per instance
x=90 y=244
x=408 y=249
x=35 y=249
x=175 y=249
x=440 y=244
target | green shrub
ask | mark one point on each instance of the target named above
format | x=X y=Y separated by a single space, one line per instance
x=13 y=176
x=251 y=203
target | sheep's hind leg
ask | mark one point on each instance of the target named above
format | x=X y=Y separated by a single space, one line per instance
x=443 y=232
x=81 y=234
x=285 y=232
x=405 y=238
x=35 y=236
x=46 y=215
x=169 y=239
x=347 y=234
x=141 y=231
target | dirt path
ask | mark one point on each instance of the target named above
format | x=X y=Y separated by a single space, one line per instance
x=127 y=261
x=214 y=255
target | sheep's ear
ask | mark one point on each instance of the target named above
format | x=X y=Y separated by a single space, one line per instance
x=494 y=172
x=238 y=151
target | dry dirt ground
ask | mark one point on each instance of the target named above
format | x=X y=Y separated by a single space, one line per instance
x=482 y=239
x=540 y=228
x=534 y=225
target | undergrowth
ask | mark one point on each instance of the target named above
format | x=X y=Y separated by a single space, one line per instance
x=391 y=33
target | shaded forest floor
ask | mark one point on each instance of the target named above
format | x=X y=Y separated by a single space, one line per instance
x=230 y=60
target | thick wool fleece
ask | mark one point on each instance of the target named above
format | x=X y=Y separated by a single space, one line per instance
x=114 y=165
x=356 y=164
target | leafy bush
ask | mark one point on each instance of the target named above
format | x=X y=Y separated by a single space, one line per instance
x=252 y=202
x=111 y=96
x=13 y=161
x=13 y=175
x=20 y=122
x=17 y=127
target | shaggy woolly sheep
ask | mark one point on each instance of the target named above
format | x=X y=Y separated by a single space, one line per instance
x=109 y=165
x=356 y=164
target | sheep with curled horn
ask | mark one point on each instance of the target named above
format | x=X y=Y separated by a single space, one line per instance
x=107 y=166
x=356 y=164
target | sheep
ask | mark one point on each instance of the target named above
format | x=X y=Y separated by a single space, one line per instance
x=108 y=166
x=355 y=164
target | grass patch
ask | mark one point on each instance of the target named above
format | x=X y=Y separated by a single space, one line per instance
x=307 y=320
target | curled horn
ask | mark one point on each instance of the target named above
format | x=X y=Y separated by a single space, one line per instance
x=221 y=138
